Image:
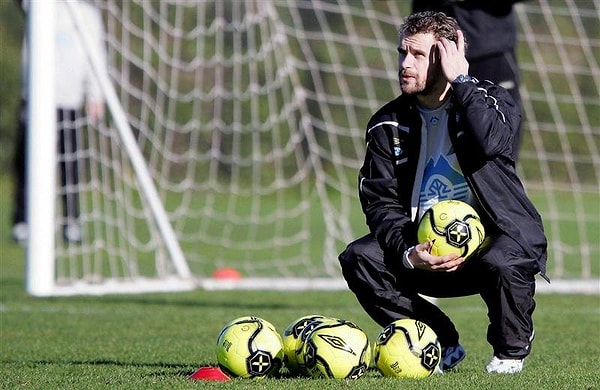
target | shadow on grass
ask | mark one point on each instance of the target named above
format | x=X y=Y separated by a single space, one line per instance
x=169 y=369
x=247 y=300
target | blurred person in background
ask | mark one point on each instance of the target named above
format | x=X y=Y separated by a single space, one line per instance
x=79 y=101
x=490 y=29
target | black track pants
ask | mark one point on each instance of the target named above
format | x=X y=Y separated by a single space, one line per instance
x=68 y=123
x=500 y=273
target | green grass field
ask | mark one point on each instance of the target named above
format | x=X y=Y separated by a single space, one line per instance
x=157 y=340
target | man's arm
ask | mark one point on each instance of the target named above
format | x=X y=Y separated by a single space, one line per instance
x=387 y=218
x=489 y=111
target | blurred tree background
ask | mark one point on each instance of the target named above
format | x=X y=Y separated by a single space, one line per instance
x=12 y=24
x=205 y=90
x=12 y=29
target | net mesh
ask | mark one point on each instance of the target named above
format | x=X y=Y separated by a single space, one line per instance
x=251 y=116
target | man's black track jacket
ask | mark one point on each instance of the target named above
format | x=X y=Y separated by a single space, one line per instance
x=482 y=121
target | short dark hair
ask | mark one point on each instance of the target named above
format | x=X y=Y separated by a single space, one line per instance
x=436 y=23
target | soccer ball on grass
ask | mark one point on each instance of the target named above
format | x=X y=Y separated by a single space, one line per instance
x=294 y=336
x=249 y=347
x=407 y=348
x=453 y=226
x=337 y=349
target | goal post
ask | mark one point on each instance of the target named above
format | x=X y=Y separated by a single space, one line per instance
x=235 y=131
x=40 y=181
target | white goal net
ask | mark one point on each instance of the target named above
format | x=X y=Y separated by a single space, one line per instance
x=250 y=118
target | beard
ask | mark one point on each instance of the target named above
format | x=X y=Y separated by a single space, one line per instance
x=415 y=85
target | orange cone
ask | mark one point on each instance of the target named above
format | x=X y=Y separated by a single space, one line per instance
x=227 y=273
x=209 y=374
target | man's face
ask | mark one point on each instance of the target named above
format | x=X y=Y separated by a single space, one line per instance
x=418 y=64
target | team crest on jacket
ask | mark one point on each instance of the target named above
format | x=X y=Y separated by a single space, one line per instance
x=441 y=181
x=397 y=148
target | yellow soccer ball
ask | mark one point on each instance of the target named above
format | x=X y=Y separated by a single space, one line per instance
x=249 y=347
x=453 y=226
x=407 y=348
x=337 y=350
x=292 y=341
